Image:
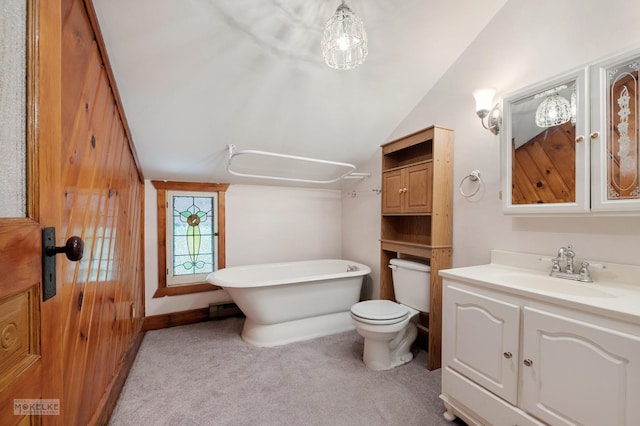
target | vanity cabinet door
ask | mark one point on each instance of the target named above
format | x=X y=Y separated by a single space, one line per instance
x=482 y=339
x=614 y=134
x=577 y=372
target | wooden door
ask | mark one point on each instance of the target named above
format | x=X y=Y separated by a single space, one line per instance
x=392 y=192
x=418 y=196
x=29 y=345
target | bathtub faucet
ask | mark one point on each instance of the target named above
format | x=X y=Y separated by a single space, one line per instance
x=352 y=268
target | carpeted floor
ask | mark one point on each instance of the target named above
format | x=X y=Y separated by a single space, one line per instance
x=205 y=374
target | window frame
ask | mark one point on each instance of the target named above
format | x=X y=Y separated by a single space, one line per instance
x=162 y=188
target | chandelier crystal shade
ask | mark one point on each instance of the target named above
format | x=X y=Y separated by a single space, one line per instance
x=554 y=110
x=344 y=42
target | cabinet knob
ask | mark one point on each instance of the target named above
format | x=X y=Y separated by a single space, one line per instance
x=404 y=189
x=527 y=362
x=579 y=139
x=595 y=135
x=507 y=355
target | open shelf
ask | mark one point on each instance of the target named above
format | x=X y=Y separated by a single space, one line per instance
x=417 y=198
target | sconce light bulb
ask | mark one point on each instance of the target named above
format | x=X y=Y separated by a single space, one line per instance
x=484 y=100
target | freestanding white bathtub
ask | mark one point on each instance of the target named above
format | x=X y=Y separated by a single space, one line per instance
x=293 y=301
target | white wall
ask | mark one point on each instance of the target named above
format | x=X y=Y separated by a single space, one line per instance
x=361 y=221
x=527 y=41
x=263 y=224
x=266 y=224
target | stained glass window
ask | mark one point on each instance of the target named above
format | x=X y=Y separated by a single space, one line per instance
x=191 y=245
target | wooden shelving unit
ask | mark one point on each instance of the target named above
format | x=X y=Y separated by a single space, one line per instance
x=416 y=216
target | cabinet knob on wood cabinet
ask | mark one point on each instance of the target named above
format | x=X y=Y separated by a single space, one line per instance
x=507 y=355
x=527 y=362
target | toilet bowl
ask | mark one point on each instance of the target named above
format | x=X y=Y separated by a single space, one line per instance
x=388 y=327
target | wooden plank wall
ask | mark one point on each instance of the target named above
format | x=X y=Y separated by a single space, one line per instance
x=544 y=168
x=102 y=203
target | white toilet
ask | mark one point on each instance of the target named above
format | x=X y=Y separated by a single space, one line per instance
x=388 y=327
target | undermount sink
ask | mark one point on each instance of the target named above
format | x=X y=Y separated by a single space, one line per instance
x=614 y=292
x=555 y=285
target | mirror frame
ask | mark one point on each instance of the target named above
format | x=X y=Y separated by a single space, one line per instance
x=582 y=160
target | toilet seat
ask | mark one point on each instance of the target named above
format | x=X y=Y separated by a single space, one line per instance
x=379 y=312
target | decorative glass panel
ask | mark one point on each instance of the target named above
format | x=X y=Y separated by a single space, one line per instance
x=622 y=141
x=13 y=69
x=193 y=237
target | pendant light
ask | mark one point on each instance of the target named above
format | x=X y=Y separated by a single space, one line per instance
x=554 y=110
x=344 y=42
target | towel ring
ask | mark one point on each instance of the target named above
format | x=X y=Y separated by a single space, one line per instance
x=474 y=176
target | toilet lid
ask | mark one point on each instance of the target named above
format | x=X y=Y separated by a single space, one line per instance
x=380 y=310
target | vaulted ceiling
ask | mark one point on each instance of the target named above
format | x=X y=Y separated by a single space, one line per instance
x=197 y=75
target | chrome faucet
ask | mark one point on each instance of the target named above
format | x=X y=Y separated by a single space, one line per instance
x=563 y=266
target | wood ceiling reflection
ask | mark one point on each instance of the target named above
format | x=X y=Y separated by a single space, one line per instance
x=544 y=168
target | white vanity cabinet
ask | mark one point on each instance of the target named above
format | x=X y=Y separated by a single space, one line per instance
x=510 y=359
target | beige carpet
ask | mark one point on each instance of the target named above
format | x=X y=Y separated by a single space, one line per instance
x=205 y=374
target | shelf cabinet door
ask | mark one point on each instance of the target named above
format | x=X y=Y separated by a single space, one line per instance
x=408 y=190
x=578 y=372
x=481 y=339
x=392 y=195
x=418 y=181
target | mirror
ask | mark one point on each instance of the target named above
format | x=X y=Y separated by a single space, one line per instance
x=543 y=147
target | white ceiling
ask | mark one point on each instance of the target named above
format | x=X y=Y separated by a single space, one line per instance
x=197 y=75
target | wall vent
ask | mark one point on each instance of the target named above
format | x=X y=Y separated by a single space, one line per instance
x=223 y=310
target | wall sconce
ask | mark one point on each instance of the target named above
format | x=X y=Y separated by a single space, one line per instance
x=484 y=109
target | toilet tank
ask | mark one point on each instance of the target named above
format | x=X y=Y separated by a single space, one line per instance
x=411 y=283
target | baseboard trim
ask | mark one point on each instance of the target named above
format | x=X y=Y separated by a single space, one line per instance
x=112 y=393
x=174 y=319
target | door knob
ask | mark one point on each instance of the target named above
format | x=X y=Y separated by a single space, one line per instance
x=73 y=249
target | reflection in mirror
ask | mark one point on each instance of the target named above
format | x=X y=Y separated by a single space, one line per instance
x=622 y=146
x=543 y=146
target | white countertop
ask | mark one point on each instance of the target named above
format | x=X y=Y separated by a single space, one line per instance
x=615 y=291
